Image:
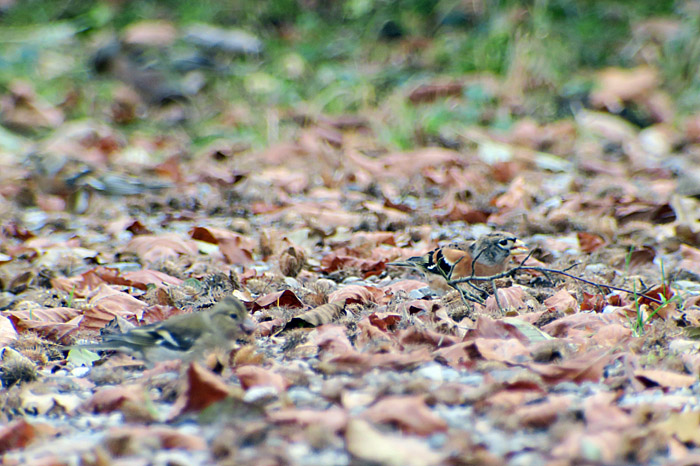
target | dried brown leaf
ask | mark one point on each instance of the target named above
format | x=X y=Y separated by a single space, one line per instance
x=324 y=314
x=409 y=413
x=203 y=389
x=254 y=376
x=665 y=379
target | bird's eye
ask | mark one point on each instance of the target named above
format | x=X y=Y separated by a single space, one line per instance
x=504 y=242
x=234 y=316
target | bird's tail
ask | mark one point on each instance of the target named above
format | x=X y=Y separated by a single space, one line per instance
x=419 y=262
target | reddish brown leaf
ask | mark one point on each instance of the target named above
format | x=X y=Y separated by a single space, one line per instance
x=142 y=278
x=504 y=350
x=562 y=301
x=359 y=294
x=154 y=248
x=403 y=286
x=592 y=302
x=203 y=389
x=431 y=92
x=373 y=446
x=512 y=298
x=423 y=336
x=588 y=366
x=332 y=339
x=333 y=419
x=109 y=399
x=123 y=441
x=487 y=327
x=409 y=413
x=665 y=379
x=285 y=298
x=158 y=313
x=337 y=261
x=542 y=415
x=56 y=332
x=254 y=376
x=590 y=242
x=235 y=251
x=17 y=434
x=385 y=320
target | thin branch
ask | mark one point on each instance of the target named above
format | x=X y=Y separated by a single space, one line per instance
x=511 y=272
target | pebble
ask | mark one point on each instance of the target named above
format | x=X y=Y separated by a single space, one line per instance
x=260 y=394
x=302 y=396
x=81 y=371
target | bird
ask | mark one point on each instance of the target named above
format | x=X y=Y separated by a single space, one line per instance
x=184 y=336
x=484 y=257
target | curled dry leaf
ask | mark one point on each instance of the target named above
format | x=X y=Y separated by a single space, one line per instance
x=509 y=351
x=332 y=339
x=142 y=278
x=431 y=92
x=665 y=379
x=337 y=260
x=334 y=419
x=59 y=332
x=203 y=389
x=363 y=295
x=109 y=399
x=235 y=251
x=543 y=414
x=374 y=446
x=385 y=321
x=154 y=248
x=590 y=242
x=254 y=376
x=562 y=301
x=504 y=329
x=511 y=298
x=413 y=336
x=592 y=302
x=410 y=413
x=321 y=315
x=585 y=367
x=285 y=298
x=123 y=441
x=15 y=435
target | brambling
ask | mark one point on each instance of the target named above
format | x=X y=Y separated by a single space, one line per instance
x=183 y=336
x=485 y=257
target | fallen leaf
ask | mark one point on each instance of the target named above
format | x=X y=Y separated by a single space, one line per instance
x=409 y=413
x=254 y=376
x=666 y=379
x=333 y=419
x=203 y=389
x=562 y=301
x=371 y=445
x=17 y=434
x=590 y=242
x=324 y=314
x=284 y=298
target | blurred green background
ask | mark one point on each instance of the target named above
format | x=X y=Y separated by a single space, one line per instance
x=354 y=56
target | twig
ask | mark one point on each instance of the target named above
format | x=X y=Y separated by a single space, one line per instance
x=511 y=272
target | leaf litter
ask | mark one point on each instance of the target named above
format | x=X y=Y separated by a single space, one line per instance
x=352 y=361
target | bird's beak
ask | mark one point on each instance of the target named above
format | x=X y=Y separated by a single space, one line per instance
x=518 y=248
x=248 y=326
